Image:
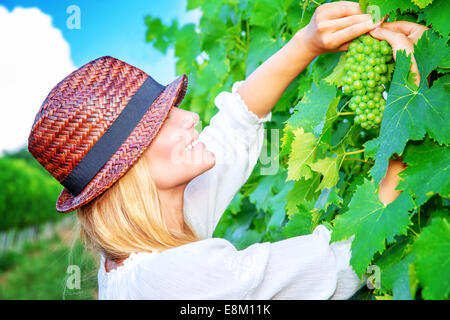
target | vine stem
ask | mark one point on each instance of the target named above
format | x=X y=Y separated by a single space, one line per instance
x=239 y=40
x=353 y=159
x=354 y=152
x=415 y=234
x=345 y=113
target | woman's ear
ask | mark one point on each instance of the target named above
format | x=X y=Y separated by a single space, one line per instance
x=387 y=192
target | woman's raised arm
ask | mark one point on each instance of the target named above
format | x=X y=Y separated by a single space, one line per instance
x=331 y=28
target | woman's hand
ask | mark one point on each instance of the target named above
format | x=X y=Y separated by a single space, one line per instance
x=387 y=192
x=401 y=35
x=334 y=25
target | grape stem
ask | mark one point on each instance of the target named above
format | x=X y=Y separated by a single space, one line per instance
x=354 y=152
x=345 y=113
x=353 y=159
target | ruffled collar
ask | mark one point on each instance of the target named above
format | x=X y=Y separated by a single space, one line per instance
x=127 y=264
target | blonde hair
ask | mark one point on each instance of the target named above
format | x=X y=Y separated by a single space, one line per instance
x=127 y=218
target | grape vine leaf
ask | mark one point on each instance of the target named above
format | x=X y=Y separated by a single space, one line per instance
x=262 y=46
x=324 y=65
x=268 y=186
x=299 y=224
x=395 y=263
x=328 y=197
x=388 y=6
x=338 y=73
x=433 y=247
x=329 y=168
x=438 y=15
x=277 y=204
x=302 y=154
x=370 y=148
x=286 y=141
x=310 y=112
x=363 y=5
x=397 y=276
x=427 y=170
x=422 y=3
x=372 y=223
x=410 y=111
x=302 y=191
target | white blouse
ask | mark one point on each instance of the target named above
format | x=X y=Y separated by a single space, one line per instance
x=303 y=267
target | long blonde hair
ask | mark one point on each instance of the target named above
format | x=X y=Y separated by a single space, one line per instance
x=127 y=218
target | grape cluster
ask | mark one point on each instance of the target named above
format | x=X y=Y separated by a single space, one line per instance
x=366 y=67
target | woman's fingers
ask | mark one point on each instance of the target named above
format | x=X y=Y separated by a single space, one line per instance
x=344 y=47
x=338 y=9
x=345 y=22
x=412 y=30
x=354 y=31
x=398 y=41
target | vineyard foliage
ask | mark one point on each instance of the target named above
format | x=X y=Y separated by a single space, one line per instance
x=28 y=192
x=330 y=167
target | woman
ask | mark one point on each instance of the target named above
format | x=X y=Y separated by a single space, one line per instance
x=153 y=225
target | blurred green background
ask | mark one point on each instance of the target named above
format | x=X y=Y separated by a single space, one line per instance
x=38 y=244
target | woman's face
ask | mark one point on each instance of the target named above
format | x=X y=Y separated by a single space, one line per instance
x=171 y=163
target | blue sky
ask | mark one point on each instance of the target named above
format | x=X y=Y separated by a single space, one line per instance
x=38 y=49
x=116 y=28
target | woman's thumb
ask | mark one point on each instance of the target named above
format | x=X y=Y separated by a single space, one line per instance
x=398 y=41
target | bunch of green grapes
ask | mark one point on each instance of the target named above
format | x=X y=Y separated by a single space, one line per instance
x=366 y=67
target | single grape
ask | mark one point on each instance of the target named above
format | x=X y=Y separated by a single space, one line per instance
x=357 y=84
x=361 y=92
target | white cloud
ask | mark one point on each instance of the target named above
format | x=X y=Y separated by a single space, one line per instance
x=34 y=57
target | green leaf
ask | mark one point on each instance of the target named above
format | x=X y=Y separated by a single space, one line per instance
x=303 y=191
x=324 y=65
x=427 y=171
x=192 y=4
x=397 y=277
x=277 y=204
x=389 y=6
x=302 y=154
x=310 y=112
x=187 y=46
x=372 y=223
x=268 y=186
x=438 y=15
x=286 y=141
x=267 y=14
x=262 y=46
x=299 y=224
x=235 y=204
x=370 y=148
x=363 y=5
x=433 y=263
x=329 y=168
x=338 y=73
x=410 y=111
x=422 y=3
x=328 y=197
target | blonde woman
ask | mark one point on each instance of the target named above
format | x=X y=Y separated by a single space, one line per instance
x=149 y=190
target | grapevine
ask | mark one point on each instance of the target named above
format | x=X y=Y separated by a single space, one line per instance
x=332 y=156
x=366 y=75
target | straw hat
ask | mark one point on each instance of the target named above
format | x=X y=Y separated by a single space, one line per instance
x=96 y=123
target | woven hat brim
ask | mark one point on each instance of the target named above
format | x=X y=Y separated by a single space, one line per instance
x=130 y=151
